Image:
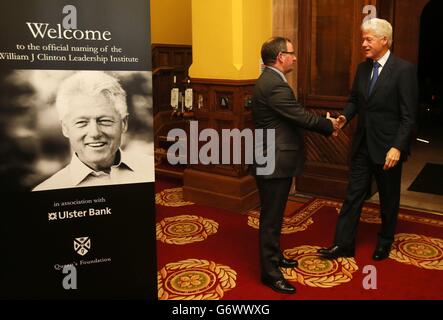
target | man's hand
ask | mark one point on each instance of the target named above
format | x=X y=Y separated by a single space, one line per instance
x=341 y=121
x=392 y=158
x=338 y=123
x=333 y=120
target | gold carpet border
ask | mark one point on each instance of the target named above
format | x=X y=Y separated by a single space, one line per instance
x=425 y=263
x=302 y=219
x=372 y=215
x=299 y=221
x=208 y=227
x=171 y=198
x=226 y=279
x=344 y=269
x=293 y=224
x=422 y=220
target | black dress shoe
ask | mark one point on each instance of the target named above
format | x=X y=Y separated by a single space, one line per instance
x=335 y=252
x=286 y=263
x=381 y=252
x=279 y=285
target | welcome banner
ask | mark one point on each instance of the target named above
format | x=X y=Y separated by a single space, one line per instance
x=76 y=150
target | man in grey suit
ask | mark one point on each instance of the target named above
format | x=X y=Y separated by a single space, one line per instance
x=384 y=95
x=274 y=107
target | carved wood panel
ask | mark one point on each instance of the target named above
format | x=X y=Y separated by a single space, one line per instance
x=224 y=106
x=329 y=52
x=168 y=61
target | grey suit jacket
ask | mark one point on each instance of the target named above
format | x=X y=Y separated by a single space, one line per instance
x=274 y=106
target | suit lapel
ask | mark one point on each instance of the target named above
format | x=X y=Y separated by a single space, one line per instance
x=366 y=77
x=384 y=75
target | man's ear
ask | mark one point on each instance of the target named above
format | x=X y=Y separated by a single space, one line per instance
x=65 y=130
x=125 y=123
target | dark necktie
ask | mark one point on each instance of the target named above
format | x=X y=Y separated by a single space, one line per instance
x=374 y=76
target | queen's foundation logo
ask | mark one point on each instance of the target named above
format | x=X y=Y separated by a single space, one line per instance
x=82 y=245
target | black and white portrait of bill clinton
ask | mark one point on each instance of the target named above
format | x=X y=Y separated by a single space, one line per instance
x=93 y=114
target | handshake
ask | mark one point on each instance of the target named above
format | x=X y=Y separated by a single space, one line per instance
x=337 y=123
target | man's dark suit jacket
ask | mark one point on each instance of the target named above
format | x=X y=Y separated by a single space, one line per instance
x=274 y=107
x=386 y=117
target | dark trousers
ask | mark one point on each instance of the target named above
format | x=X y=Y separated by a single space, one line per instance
x=273 y=197
x=388 y=183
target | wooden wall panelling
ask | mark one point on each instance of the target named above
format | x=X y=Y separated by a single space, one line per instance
x=221 y=185
x=234 y=115
x=167 y=61
x=406 y=27
x=285 y=23
x=329 y=53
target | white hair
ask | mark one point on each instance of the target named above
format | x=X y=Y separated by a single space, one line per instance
x=379 y=27
x=90 y=83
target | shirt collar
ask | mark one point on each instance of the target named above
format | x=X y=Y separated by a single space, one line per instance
x=279 y=72
x=382 y=60
x=79 y=171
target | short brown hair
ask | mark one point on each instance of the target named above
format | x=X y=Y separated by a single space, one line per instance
x=271 y=48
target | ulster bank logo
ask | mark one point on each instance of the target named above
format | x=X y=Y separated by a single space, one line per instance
x=82 y=245
x=52 y=216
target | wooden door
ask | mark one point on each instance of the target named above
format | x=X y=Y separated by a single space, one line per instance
x=329 y=51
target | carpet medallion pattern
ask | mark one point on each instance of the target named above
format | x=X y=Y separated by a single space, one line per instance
x=418 y=250
x=206 y=253
x=171 y=198
x=195 y=279
x=185 y=229
x=315 y=271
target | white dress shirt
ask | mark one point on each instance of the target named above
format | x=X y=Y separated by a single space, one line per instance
x=382 y=62
x=132 y=168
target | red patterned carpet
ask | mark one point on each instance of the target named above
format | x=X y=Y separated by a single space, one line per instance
x=207 y=253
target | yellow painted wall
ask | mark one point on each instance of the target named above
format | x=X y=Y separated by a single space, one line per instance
x=171 y=22
x=227 y=37
x=258 y=28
